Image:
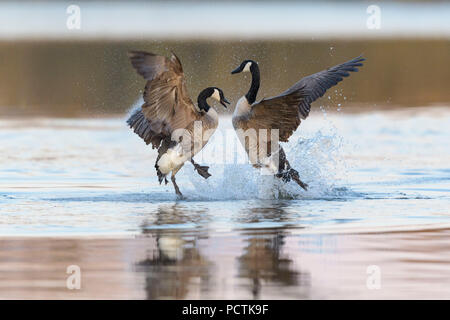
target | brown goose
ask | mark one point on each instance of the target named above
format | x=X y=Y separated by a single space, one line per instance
x=283 y=112
x=168 y=119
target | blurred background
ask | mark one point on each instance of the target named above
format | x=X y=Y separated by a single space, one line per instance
x=71 y=171
x=68 y=59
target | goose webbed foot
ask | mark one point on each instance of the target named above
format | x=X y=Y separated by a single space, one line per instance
x=202 y=170
x=289 y=174
x=284 y=176
x=180 y=196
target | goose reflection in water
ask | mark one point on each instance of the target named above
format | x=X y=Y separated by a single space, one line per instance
x=175 y=261
x=188 y=263
x=263 y=260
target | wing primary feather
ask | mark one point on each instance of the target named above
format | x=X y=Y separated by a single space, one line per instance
x=148 y=65
x=317 y=84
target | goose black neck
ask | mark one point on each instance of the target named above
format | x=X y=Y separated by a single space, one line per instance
x=254 y=87
x=201 y=100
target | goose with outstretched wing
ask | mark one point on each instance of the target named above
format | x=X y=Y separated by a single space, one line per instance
x=255 y=122
x=168 y=119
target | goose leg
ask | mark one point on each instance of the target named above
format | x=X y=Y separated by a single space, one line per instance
x=294 y=175
x=202 y=170
x=286 y=173
x=177 y=190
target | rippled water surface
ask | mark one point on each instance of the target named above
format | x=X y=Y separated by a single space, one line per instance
x=85 y=192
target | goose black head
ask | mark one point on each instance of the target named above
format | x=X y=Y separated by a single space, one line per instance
x=252 y=67
x=211 y=92
x=245 y=66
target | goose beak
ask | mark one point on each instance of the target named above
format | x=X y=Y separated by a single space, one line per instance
x=237 y=70
x=224 y=101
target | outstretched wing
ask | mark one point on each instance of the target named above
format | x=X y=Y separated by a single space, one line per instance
x=275 y=113
x=167 y=105
x=317 y=84
x=285 y=111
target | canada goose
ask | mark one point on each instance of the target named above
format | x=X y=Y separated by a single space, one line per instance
x=283 y=112
x=168 y=118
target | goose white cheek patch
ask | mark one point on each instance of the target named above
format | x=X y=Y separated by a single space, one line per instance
x=216 y=95
x=247 y=67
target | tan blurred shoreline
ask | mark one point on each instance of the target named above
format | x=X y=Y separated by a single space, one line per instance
x=94 y=78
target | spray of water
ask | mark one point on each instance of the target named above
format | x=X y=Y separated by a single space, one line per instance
x=317 y=159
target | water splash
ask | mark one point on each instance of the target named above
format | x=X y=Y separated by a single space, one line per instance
x=317 y=159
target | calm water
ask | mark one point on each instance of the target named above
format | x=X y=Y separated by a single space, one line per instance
x=379 y=195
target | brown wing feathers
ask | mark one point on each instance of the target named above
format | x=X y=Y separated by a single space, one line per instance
x=278 y=113
x=166 y=104
x=317 y=84
x=147 y=64
x=144 y=128
x=285 y=111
